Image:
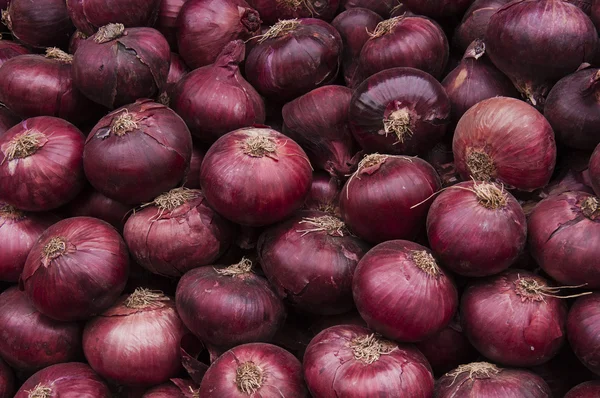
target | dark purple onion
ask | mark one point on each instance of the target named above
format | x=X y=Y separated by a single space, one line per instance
x=9 y=49
x=7 y=381
x=91 y=203
x=475 y=22
x=590 y=389
x=594 y=170
x=272 y=11
x=583 y=328
x=167 y=20
x=76 y=39
x=438 y=9
x=324 y=194
x=381 y=7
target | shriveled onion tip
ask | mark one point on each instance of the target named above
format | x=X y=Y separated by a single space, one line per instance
x=332 y=225
x=124 y=123
x=476 y=370
x=143 y=298
x=490 y=196
x=590 y=207
x=58 y=54
x=243 y=267
x=279 y=29
x=398 y=123
x=10 y=212
x=174 y=198
x=109 y=32
x=248 y=378
x=23 y=145
x=55 y=248
x=259 y=146
x=39 y=391
x=370 y=348
x=425 y=262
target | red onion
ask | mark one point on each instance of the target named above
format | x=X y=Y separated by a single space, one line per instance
x=514 y=318
x=399 y=111
x=42 y=164
x=391 y=192
x=590 y=389
x=382 y=7
x=310 y=260
x=507 y=141
x=177 y=232
x=44 y=23
x=137 y=340
x=595 y=170
x=137 y=152
x=204 y=27
x=407 y=41
x=18 y=233
x=475 y=22
x=324 y=194
x=294 y=57
x=76 y=39
x=176 y=388
x=484 y=379
x=31 y=341
x=255 y=176
x=89 y=15
x=272 y=11
x=91 y=203
x=393 y=284
x=351 y=362
x=564 y=238
x=7 y=381
x=228 y=306
x=10 y=49
x=193 y=178
x=475 y=79
x=438 y=9
x=77 y=269
x=582 y=326
x=531 y=55
x=167 y=20
x=215 y=99
x=116 y=66
x=7 y=119
x=177 y=71
x=318 y=121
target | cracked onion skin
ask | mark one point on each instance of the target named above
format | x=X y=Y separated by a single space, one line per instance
x=594 y=170
x=583 y=326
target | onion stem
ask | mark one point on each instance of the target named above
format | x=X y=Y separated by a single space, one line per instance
x=480 y=165
x=259 y=146
x=477 y=370
x=109 y=32
x=58 y=54
x=124 y=123
x=385 y=27
x=23 y=145
x=56 y=247
x=398 y=122
x=175 y=198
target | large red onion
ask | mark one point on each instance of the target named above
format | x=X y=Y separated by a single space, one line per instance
x=583 y=326
x=167 y=20
x=324 y=194
x=310 y=260
x=475 y=22
x=438 y=9
x=177 y=232
x=533 y=56
x=7 y=381
x=204 y=27
x=294 y=57
x=116 y=66
x=399 y=111
x=255 y=176
x=42 y=164
x=483 y=379
x=351 y=362
x=137 y=152
x=382 y=7
x=192 y=180
x=31 y=341
x=228 y=306
x=390 y=192
x=175 y=388
x=9 y=49
x=564 y=238
x=77 y=269
x=91 y=203
x=590 y=389
x=514 y=318
x=507 y=141
x=272 y=11
x=594 y=170
x=215 y=99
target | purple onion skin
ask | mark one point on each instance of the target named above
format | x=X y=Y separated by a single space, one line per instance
x=475 y=22
x=91 y=203
x=535 y=330
x=394 y=90
x=438 y=9
x=381 y=7
x=215 y=99
x=177 y=71
x=534 y=57
x=292 y=64
x=10 y=49
x=76 y=39
x=324 y=193
x=331 y=368
x=32 y=341
x=590 y=389
x=175 y=388
x=193 y=177
x=89 y=15
x=7 y=381
x=119 y=71
x=272 y=11
x=167 y=20
x=594 y=170
x=558 y=226
x=7 y=119
x=582 y=326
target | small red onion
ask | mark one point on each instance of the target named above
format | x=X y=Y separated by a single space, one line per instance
x=193 y=177
x=137 y=152
x=594 y=170
x=382 y=7
x=215 y=99
x=590 y=389
x=31 y=341
x=255 y=176
x=491 y=144
x=475 y=22
x=272 y=11
x=583 y=326
x=7 y=381
x=176 y=388
x=116 y=66
x=324 y=194
x=294 y=57
x=204 y=27
x=76 y=39
x=91 y=203
x=438 y=9
x=400 y=111
x=167 y=20
x=351 y=362
x=10 y=49
x=514 y=318
x=42 y=166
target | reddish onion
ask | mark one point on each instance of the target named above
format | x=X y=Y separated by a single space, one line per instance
x=324 y=194
x=255 y=176
x=7 y=381
x=204 y=27
x=32 y=341
x=10 y=49
x=531 y=55
x=399 y=111
x=385 y=191
x=215 y=99
x=483 y=379
x=294 y=57
x=137 y=152
x=475 y=22
x=583 y=325
x=228 y=306
x=590 y=389
x=594 y=170
x=167 y=20
x=438 y=9
x=351 y=362
x=507 y=141
x=175 y=388
x=310 y=260
x=514 y=318
x=192 y=180
x=76 y=39
x=91 y=203
x=382 y=7
x=42 y=166
x=272 y=11
x=116 y=66
x=77 y=269
x=564 y=238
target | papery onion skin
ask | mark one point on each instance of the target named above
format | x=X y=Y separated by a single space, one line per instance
x=176 y=388
x=167 y=20
x=193 y=178
x=76 y=39
x=91 y=203
x=594 y=170
x=582 y=326
x=475 y=22
x=204 y=27
x=272 y=11
x=7 y=381
x=564 y=238
x=324 y=193
x=438 y=9
x=491 y=144
x=332 y=368
x=588 y=389
x=278 y=168
x=32 y=341
x=399 y=111
x=42 y=167
x=10 y=49
x=137 y=152
x=77 y=269
x=381 y=7
x=513 y=319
